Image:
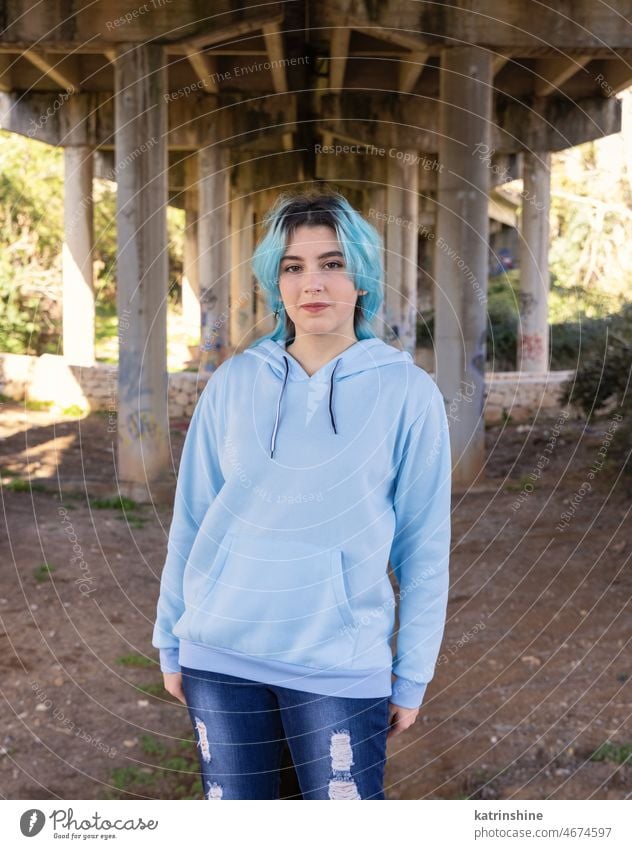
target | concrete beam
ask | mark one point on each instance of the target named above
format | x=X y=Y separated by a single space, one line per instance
x=102 y=24
x=274 y=46
x=338 y=55
x=234 y=30
x=547 y=123
x=63 y=72
x=552 y=73
x=45 y=117
x=6 y=72
x=614 y=76
x=206 y=69
x=521 y=23
x=410 y=70
x=499 y=62
x=553 y=124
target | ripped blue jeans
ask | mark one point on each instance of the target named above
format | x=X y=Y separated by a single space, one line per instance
x=338 y=745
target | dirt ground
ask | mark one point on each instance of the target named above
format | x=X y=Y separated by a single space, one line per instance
x=532 y=694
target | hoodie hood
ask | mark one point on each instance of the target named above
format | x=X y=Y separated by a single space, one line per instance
x=361 y=356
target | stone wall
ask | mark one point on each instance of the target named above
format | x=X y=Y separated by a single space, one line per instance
x=50 y=378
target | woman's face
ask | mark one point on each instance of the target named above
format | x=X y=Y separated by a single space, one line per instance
x=313 y=271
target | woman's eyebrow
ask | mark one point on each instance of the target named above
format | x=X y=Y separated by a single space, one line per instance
x=320 y=256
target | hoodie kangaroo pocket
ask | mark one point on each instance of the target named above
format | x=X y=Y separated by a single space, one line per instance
x=279 y=600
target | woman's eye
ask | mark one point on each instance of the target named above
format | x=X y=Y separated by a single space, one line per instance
x=333 y=262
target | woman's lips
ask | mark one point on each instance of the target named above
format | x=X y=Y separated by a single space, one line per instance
x=315 y=307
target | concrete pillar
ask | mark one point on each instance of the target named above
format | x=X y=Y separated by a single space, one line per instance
x=461 y=250
x=214 y=247
x=264 y=317
x=142 y=270
x=401 y=250
x=407 y=289
x=376 y=199
x=191 y=313
x=241 y=279
x=393 y=257
x=78 y=289
x=533 y=330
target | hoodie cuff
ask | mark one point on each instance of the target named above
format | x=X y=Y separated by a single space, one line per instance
x=408 y=694
x=169 y=660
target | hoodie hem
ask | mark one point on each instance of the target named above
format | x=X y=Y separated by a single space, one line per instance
x=345 y=683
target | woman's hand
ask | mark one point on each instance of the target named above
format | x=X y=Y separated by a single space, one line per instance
x=400 y=718
x=173 y=685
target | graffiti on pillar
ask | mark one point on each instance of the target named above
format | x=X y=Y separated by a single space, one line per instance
x=141 y=425
x=527 y=303
x=465 y=393
x=208 y=299
x=531 y=347
x=478 y=359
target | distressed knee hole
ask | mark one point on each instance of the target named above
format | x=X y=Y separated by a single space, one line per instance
x=214 y=790
x=341 y=789
x=340 y=751
x=202 y=740
x=341 y=783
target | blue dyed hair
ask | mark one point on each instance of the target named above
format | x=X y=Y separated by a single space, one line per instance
x=360 y=242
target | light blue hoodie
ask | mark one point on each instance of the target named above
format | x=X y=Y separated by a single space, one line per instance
x=292 y=495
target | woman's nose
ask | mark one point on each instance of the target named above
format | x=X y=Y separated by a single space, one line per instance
x=314 y=280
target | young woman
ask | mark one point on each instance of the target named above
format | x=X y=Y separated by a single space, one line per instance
x=313 y=458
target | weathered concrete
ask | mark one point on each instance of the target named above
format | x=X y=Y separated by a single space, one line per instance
x=142 y=270
x=264 y=317
x=77 y=255
x=461 y=250
x=401 y=250
x=242 y=318
x=214 y=249
x=533 y=330
x=191 y=312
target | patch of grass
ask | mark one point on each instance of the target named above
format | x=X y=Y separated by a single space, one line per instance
x=137 y=660
x=173 y=773
x=152 y=745
x=38 y=405
x=8 y=473
x=134 y=521
x=22 y=485
x=610 y=752
x=43 y=572
x=516 y=486
x=125 y=776
x=118 y=502
x=74 y=410
x=123 y=503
